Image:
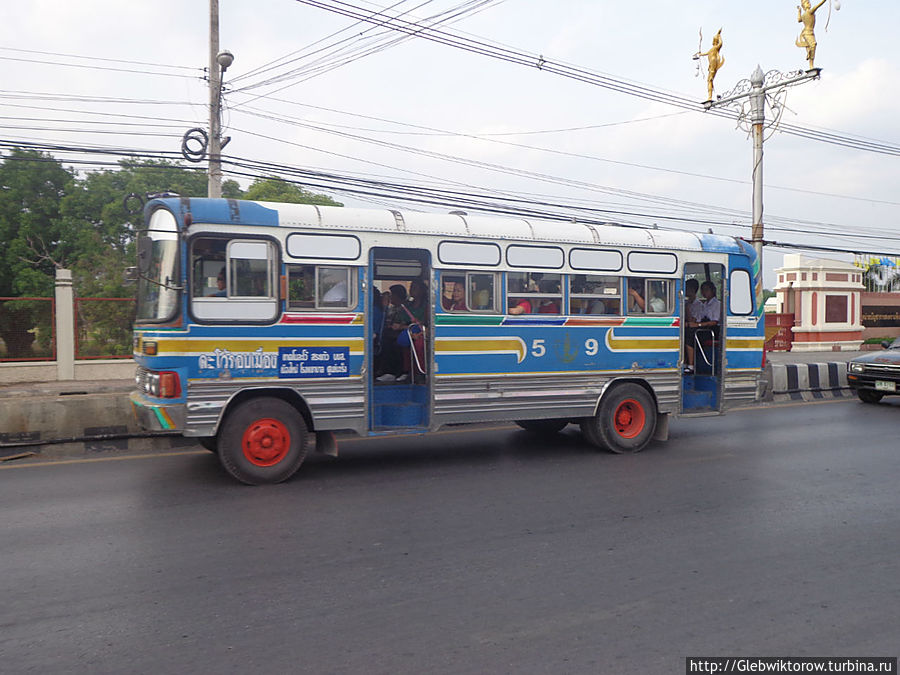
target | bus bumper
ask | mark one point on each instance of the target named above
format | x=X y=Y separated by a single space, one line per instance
x=154 y=416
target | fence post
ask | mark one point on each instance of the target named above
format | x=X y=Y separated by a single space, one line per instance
x=65 y=326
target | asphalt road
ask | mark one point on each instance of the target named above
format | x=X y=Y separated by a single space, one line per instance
x=769 y=532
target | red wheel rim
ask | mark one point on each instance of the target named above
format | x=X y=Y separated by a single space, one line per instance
x=629 y=418
x=266 y=442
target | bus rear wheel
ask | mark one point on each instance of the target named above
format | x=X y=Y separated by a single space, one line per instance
x=262 y=440
x=625 y=421
x=543 y=427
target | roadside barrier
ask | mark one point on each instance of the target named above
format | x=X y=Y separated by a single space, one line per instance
x=809 y=381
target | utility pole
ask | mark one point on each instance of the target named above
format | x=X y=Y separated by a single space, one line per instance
x=752 y=93
x=218 y=63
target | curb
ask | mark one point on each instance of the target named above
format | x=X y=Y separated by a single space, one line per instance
x=809 y=381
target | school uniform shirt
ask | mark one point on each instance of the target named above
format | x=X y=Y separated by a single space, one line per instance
x=694 y=310
x=711 y=310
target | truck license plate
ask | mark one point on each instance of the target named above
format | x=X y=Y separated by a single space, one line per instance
x=881 y=385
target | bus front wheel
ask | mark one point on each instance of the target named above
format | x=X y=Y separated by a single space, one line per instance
x=625 y=421
x=211 y=443
x=262 y=440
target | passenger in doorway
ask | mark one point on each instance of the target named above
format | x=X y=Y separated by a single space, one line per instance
x=395 y=322
x=692 y=304
x=707 y=318
x=418 y=302
x=711 y=311
x=377 y=326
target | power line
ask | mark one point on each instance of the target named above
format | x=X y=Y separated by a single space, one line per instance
x=483 y=48
x=107 y=68
x=98 y=58
x=428 y=195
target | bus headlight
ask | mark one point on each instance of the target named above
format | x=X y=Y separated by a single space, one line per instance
x=164 y=384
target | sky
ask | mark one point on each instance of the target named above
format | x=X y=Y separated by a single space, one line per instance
x=106 y=73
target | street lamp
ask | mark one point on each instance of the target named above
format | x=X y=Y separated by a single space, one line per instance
x=217 y=68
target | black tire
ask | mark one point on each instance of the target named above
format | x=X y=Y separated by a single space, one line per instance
x=625 y=421
x=211 y=443
x=588 y=427
x=543 y=427
x=869 y=396
x=263 y=440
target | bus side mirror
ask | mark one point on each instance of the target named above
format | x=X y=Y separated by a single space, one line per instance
x=144 y=254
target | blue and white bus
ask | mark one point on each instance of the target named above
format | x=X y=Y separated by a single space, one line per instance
x=261 y=324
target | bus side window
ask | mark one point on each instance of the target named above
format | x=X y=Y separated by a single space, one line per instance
x=595 y=294
x=207 y=263
x=741 y=298
x=649 y=296
x=658 y=296
x=480 y=291
x=301 y=287
x=250 y=264
x=320 y=287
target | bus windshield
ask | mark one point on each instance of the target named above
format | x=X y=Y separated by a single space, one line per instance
x=157 y=297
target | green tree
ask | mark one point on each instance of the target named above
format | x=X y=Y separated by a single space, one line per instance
x=33 y=243
x=101 y=229
x=276 y=190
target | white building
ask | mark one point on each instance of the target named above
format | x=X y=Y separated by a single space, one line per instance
x=824 y=297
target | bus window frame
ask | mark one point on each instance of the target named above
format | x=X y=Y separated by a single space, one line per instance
x=352 y=287
x=669 y=298
x=534 y=297
x=597 y=296
x=465 y=277
x=231 y=301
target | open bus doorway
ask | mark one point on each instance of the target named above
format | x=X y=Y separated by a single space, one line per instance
x=401 y=354
x=702 y=340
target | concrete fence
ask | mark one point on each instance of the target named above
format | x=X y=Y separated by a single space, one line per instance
x=66 y=366
x=809 y=381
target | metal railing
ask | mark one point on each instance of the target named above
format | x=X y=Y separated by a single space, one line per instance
x=27 y=329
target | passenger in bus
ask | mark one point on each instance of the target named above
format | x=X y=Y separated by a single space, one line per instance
x=598 y=307
x=692 y=304
x=459 y=297
x=519 y=306
x=391 y=362
x=378 y=317
x=657 y=304
x=454 y=299
x=336 y=283
x=548 y=305
x=220 y=283
x=635 y=295
x=710 y=313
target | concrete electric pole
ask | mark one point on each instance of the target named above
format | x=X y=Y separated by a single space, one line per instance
x=748 y=98
x=218 y=64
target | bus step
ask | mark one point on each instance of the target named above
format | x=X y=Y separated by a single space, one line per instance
x=399 y=415
x=693 y=399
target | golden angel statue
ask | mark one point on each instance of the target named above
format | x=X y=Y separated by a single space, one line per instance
x=806 y=14
x=715 y=61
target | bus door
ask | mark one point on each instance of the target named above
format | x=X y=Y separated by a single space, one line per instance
x=401 y=346
x=703 y=345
